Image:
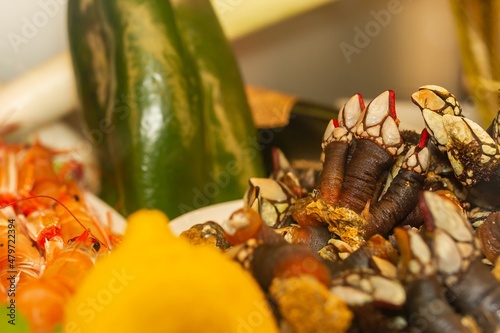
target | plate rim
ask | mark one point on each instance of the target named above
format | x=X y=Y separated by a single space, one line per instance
x=204 y=214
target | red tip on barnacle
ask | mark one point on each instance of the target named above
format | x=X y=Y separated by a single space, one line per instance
x=361 y=101
x=424 y=138
x=335 y=123
x=392 y=104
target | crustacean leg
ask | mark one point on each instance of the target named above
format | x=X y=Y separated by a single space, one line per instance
x=472 y=287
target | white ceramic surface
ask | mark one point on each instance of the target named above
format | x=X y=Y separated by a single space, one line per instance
x=216 y=213
x=101 y=210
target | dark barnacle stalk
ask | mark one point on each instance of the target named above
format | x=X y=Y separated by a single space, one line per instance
x=401 y=197
x=337 y=141
x=359 y=213
x=283 y=260
x=378 y=143
x=338 y=144
x=352 y=174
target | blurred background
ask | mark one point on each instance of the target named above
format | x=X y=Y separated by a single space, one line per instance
x=303 y=55
x=319 y=54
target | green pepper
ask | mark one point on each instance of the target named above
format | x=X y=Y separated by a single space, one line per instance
x=153 y=108
x=230 y=135
x=165 y=91
x=90 y=53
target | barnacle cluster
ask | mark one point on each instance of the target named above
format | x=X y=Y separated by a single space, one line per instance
x=397 y=221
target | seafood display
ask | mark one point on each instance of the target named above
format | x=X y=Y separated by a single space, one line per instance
x=399 y=233
x=49 y=236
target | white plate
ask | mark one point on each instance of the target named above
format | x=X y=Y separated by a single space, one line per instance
x=101 y=211
x=216 y=213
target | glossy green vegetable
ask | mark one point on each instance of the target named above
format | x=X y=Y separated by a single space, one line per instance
x=165 y=92
x=230 y=136
x=90 y=52
x=153 y=106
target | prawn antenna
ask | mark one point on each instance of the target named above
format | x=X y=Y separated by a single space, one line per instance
x=43 y=196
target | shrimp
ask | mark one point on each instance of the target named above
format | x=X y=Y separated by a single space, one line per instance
x=62 y=224
x=26 y=173
x=36 y=176
x=73 y=213
x=37 y=194
x=57 y=238
x=8 y=172
x=42 y=301
x=20 y=260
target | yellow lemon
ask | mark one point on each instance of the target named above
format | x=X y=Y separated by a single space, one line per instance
x=157 y=282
